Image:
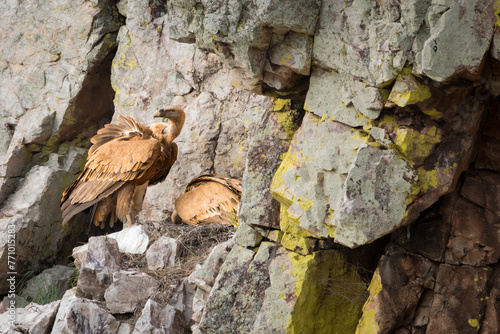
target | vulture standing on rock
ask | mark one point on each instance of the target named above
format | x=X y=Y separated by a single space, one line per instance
x=124 y=160
x=209 y=199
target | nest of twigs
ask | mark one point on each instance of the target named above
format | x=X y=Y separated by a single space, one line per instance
x=196 y=242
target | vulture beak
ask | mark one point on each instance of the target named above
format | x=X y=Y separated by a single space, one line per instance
x=159 y=113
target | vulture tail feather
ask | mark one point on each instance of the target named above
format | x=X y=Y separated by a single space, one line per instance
x=69 y=209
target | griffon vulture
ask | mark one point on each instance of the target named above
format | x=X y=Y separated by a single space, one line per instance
x=123 y=161
x=209 y=199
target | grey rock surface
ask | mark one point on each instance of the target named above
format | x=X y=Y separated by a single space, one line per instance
x=96 y=273
x=48 y=70
x=128 y=290
x=324 y=162
x=204 y=276
x=79 y=315
x=268 y=143
x=376 y=191
x=33 y=318
x=25 y=213
x=156 y=318
x=50 y=280
x=245 y=35
x=236 y=296
x=162 y=253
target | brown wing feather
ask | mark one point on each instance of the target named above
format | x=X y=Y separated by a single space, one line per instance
x=164 y=164
x=108 y=168
x=118 y=160
x=70 y=209
x=124 y=200
x=209 y=198
x=127 y=127
x=233 y=184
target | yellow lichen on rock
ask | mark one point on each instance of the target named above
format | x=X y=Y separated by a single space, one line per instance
x=415 y=146
x=496 y=7
x=294 y=237
x=329 y=294
x=433 y=113
x=408 y=90
x=280 y=105
x=287 y=116
x=474 y=323
x=368 y=324
x=278 y=189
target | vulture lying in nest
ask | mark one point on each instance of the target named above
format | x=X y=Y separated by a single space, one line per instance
x=124 y=160
x=209 y=199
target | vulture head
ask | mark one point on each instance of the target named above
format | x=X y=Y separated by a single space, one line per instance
x=169 y=131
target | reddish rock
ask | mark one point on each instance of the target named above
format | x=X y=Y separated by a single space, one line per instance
x=491 y=320
x=459 y=299
x=489 y=150
x=473 y=240
x=405 y=280
x=483 y=189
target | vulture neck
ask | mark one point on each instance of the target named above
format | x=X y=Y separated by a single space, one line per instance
x=173 y=129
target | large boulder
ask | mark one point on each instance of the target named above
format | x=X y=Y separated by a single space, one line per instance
x=280 y=291
x=96 y=272
x=30 y=235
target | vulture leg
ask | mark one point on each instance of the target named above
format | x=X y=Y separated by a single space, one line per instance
x=129 y=220
x=124 y=203
x=129 y=202
x=113 y=218
x=139 y=194
x=104 y=208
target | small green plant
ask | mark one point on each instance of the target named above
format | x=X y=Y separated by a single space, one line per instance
x=42 y=291
x=22 y=283
x=233 y=218
x=47 y=293
x=74 y=279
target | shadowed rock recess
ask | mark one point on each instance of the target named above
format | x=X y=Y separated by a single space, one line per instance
x=366 y=134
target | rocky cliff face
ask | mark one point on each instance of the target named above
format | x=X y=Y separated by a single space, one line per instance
x=366 y=134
